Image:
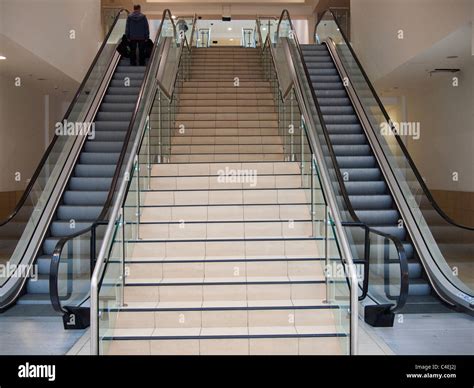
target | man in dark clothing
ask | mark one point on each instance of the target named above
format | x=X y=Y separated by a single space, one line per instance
x=137 y=32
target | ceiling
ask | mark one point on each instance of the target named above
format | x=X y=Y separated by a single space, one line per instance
x=33 y=71
x=212 y=8
x=415 y=73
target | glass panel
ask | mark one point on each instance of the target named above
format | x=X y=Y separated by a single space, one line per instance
x=74 y=270
x=295 y=137
x=268 y=27
x=155 y=145
x=111 y=294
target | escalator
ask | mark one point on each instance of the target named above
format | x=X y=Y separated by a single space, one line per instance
x=364 y=181
x=88 y=187
x=384 y=189
x=55 y=230
x=412 y=257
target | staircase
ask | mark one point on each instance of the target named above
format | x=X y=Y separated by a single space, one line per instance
x=368 y=192
x=226 y=262
x=89 y=184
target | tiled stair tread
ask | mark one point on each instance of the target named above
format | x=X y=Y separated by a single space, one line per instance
x=228 y=280
x=246 y=189
x=211 y=259
x=227 y=332
x=224 y=305
x=229 y=221
x=230 y=205
x=215 y=175
x=235 y=128
x=207 y=169
x=229 y=239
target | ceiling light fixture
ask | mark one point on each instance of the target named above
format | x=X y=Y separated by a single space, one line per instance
x=229 y=29
x=2 y=57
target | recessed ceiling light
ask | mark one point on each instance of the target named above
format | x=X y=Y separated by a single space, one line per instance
x=264 y=29
x=2 y=57
x=231 y=39
x=229 y=29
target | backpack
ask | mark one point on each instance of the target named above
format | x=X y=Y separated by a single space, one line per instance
x=123 y=48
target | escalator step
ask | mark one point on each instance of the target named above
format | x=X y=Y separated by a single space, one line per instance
x=369 y=202
x=98 y=158
x=129 y=99
x=78 y=213
x=103 y=146
x=111 y=125
x=337 y=110
x=84 y=198
x=89 y=184
x=94 y=170
x=110 y=135
x=366 y=188
x=114 y=116
x=352 y=150
x=117 y=107
x=339 y=139
x=356 y=161
x=361 y=174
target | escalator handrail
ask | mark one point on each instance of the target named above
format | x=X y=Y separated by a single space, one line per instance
x=404 y=277
x=48 y=151
x=54 y=271
x=402 y=146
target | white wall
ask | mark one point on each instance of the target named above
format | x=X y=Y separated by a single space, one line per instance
x=22 y=130
x=43 y=27
x=375 y=25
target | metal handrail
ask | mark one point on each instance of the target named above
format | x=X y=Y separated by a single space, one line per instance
x=101 y=219
x=402 y=146
x=404 y=278
x=101 y=264
x=46 y=154
x=330 y=196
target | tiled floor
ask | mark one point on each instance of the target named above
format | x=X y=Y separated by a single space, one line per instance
x=29 y=330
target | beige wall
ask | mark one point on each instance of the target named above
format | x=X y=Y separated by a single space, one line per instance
x=43 y=27
x=459 y=205
x=446 y=116
x=375 y=24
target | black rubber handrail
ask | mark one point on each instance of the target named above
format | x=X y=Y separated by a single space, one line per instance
x=402 y=146
x=404 y=277
x=101 y=219
x=46 y=154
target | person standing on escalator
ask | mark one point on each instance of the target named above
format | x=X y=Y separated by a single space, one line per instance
x=137 y=32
